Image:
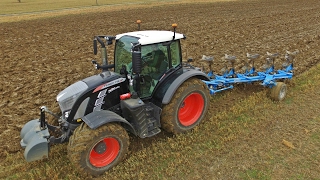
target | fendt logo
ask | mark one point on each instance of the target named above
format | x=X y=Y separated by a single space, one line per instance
x=108 y=84
x=112 y=89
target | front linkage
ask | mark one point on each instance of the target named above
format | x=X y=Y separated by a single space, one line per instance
x=35 y=136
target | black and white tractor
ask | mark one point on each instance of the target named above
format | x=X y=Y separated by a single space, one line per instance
x=149 y=90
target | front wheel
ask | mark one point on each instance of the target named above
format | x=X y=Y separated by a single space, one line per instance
x=279 y=91
x=96 y=151
x=187 y=107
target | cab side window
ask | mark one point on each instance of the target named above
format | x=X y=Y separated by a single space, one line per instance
x=154 y=59
x=175 y=53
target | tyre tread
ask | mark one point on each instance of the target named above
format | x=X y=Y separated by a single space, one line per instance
x=83 y=136
x=167 y=116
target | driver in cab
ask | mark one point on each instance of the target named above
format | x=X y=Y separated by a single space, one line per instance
x=156 y=63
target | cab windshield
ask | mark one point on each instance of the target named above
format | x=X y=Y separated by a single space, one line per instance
x=122 y=54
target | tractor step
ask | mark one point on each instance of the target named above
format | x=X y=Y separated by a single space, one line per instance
x=153 y=126
x=145 y=117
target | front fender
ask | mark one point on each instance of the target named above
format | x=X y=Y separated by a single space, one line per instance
x=99 y=118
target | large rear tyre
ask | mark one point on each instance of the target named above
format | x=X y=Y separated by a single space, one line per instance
x=279 y=91
x=96 y=151
x=187 y=107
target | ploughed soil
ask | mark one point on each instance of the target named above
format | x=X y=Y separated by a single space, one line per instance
x=41 y=57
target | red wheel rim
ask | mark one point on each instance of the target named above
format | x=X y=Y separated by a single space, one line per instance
x=104 y=152
x=191 y=109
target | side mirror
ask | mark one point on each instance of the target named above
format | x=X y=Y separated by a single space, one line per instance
x=95 y=48
x=136 y=62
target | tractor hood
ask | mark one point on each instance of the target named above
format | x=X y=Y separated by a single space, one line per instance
x=71 y=91
x=68 y=96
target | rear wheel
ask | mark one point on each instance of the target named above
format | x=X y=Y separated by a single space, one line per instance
x=279 y=91
x=187 y=107
x=96 y=151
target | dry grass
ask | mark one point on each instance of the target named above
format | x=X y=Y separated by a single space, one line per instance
x=28 y=6
x=12 y=11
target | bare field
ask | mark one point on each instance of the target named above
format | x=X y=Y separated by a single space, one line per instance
x=243 y=135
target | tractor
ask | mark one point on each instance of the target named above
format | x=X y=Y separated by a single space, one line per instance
x=146 y=90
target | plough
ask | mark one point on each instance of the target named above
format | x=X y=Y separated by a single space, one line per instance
x=268 y=78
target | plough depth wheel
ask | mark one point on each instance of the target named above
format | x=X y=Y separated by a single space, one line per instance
x=279 y=91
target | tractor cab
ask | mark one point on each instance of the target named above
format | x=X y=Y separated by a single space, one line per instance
x=157 y=52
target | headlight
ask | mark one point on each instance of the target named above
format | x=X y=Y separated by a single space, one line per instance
x=66 y=106
x=68 y=96
x=67 y=103
x=66 y=114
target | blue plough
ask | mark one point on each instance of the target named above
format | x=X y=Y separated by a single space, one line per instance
x=267 y=78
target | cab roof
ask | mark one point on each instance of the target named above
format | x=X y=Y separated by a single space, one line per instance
x=152 y=36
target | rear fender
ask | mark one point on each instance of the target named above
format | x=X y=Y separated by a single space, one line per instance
x=99 y=118
x=179 y=80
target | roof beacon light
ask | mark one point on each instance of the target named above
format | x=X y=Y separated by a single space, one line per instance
x=174 y=30
x=138 y=22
